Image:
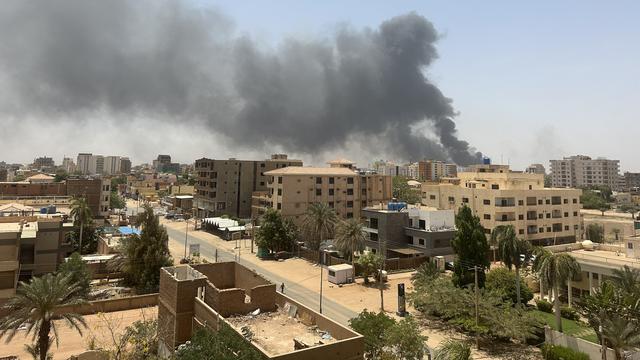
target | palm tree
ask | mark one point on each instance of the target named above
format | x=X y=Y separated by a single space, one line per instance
x=453 y=350
x=34 y=307
x=318 y=224
x=627 y=279
x=554 y=270
x=349 y=237
x=621 y=334
x=81 y=213
x=511 y=248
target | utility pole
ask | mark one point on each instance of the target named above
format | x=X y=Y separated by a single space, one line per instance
x=477 y=292
x=186 y=231
x=252 y=233
x=320 y=265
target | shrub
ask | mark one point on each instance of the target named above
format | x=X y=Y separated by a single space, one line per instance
x=504 y=282
x=544 y=306
x=569 y=313
x=556 y=352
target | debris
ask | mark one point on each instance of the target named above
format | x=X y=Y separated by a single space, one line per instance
x=256 y=312
x=299 y=344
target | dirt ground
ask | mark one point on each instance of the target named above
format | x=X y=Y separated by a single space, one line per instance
x=72 y=343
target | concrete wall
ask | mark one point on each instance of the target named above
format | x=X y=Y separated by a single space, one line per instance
x=593 y=350
x=111 y=305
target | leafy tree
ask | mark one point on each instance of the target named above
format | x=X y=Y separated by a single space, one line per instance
x=554 y=270
x=629 y=208
x=597 y=200
x=403 y=192
x=90 y=236
x=35 y=305
x=621 y=334
x=503 y=281
x=276 y=233
x=145 y=254
x=369 y=263
x=471 y=247
x=318 y=224
x=81 y=215
x=425 y=273
x=78 y=272
x=547 y=181
x=511 y=250
x=453 y=350
x=116 y=201
x=384 y=338
x=595 y=233
x=349 y=237
x=222 y=344
x=498 y=319
x=61 y=175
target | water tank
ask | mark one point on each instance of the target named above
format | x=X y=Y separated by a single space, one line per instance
x=486 y=160
x=44 y=210
x=51 y=209
x=396 y=206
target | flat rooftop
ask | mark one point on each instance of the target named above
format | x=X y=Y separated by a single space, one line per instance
x=275 y=331
x=605 y=258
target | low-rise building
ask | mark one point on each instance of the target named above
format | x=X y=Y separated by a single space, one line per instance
x=498 y=196
x=209 y=296
x=399 y=231
x=293 y=189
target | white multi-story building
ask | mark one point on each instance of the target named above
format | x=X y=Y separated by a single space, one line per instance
x=68 y=165
x=582 y=171
x=84 y=161
x=111 y=165
x=96 y=164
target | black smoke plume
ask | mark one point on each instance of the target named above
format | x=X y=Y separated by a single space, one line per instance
x=174 y=61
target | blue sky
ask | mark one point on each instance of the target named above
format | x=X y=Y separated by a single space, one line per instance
x=532 y=80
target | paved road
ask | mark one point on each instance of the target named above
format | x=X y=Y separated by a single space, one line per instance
x=299 y=293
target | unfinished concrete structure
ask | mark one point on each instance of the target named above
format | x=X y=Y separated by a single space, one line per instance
x=209 y=295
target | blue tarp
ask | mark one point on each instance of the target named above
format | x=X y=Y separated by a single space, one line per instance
x=125 y=230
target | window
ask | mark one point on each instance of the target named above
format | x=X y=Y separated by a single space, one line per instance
x=575 y=213
x=566 y=214
x=495 y=187
x=540 y=202
x=279 y=192
x=330 y=204
x=521 y=231
x=349 y=215
x=487 y=217
x=261 y=165
x=349 y=191
x=541 y=230
x=547 y=201
x=332 y=273
x=422 y=224
x=332 y=180
x=421 y=242
x=349 y=180
x=465 y=200
x=349 y=204
x=279 y=206
x=565 y=201
x=432 y=197
x=364 y=192
x=363 y=203
x=452 y=199
x=566 y=228
x=330 y=192
x=318 y=192
x=521 y=217
x=261 y=183
x=279 y=179
x=318 y=180
x=486 y=202
x=575 y=201
x=548 y=215
x=630 y=245
x=520 y=202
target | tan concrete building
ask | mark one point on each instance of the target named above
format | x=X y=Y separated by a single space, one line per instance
x=29 y=245
x=293 y=189
x=208 y=296
x=582 y=171
x=225 y=187
x=544 y=216
x=433 y=170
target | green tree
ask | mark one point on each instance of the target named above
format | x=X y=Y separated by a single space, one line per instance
x=276 y=233
x=403 y=192
x=621 y=334
x=627 y=279
x=595 y=233
x=425 y=273
x=503 y=281
x=318 y=224
x=384 y=338
x=350 y=237
x=629 y=208
x=78 y=272
x=596 y=200
x=116 y=201
x=146 y=254
x=453 y=350
x=223 y=344
x=471 y=247
x=81 y=215
x=35 y=305
x=61 y=175
x=369 y=263
x=511 y=250
x=554 y=270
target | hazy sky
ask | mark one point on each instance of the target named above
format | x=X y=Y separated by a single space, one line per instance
x=531 y=81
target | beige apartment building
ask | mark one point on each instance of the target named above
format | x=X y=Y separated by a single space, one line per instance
x=433 y=170
x=498 y=196
x=293 y=189
x=225 y=187
x=583 y=171
x=29 y=245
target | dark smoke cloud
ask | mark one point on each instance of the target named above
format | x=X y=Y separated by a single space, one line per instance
x=172 y=61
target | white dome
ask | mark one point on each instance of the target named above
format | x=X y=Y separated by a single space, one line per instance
x=587 y=245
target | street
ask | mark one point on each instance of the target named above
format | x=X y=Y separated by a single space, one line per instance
x=308 y=297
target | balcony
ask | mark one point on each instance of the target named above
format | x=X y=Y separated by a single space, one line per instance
x=505 y=202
